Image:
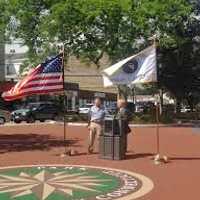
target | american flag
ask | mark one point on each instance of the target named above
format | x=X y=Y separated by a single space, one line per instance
x=45 y=78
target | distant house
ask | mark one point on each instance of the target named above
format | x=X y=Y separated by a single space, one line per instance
x=15 y=54
x=2 y=61
x=11 y=57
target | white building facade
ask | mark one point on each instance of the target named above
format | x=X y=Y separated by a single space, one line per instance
x=15 y=54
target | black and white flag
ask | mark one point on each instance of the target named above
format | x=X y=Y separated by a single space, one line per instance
x=139 y=68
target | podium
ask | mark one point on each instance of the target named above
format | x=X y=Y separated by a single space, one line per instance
x=113 y=141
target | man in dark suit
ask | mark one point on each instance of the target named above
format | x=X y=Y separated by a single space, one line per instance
x=124 y=116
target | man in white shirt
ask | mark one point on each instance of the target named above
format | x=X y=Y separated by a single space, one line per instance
x=95 y=122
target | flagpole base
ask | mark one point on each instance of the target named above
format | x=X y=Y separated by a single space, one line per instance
x=66 y=153
x=63 y=155
x=158 y=159
x=69 y=152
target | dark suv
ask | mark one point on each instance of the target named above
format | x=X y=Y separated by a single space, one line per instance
x=36 y=111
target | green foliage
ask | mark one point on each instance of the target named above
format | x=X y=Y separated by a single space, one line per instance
x=4 y=16
x=163 y=17
x=188 y=116
x=141 y=118
x=147 y=89
x=91 y=28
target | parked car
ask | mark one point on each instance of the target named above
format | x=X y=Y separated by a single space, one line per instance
x=5 y=116
x=36 y=111
x=139 y=107
x=131 y=107
x=85 y=109
x=185 y=109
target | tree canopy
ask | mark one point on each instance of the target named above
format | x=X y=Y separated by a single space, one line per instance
x=117 y=28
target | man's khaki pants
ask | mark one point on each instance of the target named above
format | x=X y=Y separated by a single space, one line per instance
x=95 y=129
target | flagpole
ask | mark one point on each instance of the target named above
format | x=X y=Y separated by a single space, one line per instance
x=64 y=100
x=157 y=115
x=158 y=158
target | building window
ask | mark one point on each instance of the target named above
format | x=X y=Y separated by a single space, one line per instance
x=10 y=69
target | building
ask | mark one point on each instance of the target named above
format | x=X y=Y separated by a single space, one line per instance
x=90 y=81
x=11 y=57
x=4 y=84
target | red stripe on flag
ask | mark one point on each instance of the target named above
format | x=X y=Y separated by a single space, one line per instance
x=37 y=82
x=45 y=78
x=41 y=85
x=24 y=94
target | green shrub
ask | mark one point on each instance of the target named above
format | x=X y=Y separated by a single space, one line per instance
x=76 y=118
x=188 y=116
x=140 y=118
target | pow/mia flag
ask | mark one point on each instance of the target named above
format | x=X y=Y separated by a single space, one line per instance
x=139 y=68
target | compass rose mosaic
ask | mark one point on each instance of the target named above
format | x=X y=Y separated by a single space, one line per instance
x=71 y=183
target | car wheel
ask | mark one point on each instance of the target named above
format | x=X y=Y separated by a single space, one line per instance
x=31 y=119
x=17 y=121
x=55 y=117
x=2 y=120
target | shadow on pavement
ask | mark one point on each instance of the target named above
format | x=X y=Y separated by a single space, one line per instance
x=184 y=158
x=26 y=142
x=138 y=155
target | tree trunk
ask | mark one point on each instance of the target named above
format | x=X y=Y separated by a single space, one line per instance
x=134 y=97
x=161 y=101
x=191 y=103
x=2 y=57
x=121 y=93
x=178 y=105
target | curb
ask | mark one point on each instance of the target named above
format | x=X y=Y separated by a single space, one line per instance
x=140 y=125
x=85 y=124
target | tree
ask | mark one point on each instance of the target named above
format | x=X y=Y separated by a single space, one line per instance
x=180 y=67
x=4 y=16
x=3 y=22
x=92 y=28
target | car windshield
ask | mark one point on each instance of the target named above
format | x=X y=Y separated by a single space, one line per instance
x=87 y=106
x=32 y=105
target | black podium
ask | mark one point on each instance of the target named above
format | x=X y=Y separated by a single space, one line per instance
x=112 y=143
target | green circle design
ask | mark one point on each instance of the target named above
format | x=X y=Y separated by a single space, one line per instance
x=71 y=182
